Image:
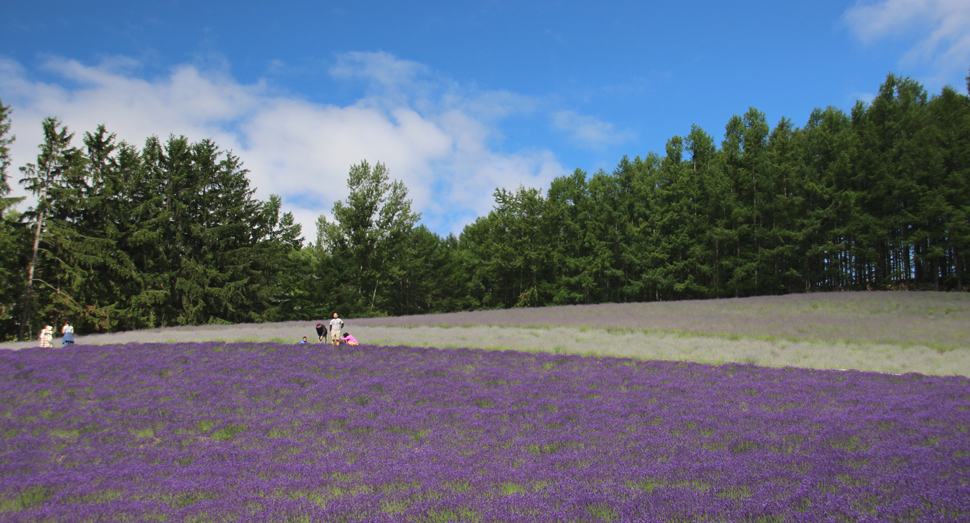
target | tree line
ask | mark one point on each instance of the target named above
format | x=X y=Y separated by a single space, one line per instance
x=124 y=238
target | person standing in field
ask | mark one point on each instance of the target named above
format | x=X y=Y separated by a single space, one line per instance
x=336 y=325
x=47 y=337
x=68 y=332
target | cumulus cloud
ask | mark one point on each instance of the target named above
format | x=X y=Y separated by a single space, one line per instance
x=589 y=132
x=942 y=28
x=437 y=137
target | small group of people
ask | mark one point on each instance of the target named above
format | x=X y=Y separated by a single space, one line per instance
x=47 y=336
x=333 y=333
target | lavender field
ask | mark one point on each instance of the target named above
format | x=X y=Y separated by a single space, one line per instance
x=269 y=432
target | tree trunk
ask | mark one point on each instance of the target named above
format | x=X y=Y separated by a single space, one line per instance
x=25 y=314
x=960 y=265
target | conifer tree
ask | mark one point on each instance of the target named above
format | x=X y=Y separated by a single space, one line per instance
x=55 y=163
x=9 y=245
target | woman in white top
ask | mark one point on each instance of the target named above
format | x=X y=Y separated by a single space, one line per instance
x=68 y=331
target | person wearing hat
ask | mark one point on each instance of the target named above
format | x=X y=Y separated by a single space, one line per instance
x=321 y=331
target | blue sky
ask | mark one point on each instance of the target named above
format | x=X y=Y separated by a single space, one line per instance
x=455 y=98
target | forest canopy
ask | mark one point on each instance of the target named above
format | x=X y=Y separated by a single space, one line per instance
x=123 y=237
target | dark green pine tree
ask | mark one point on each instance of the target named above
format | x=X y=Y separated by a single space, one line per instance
x=946 y=183
x=50 y=180
x=11 y=280
x=91 y=269
x=828 y=200
x=738 y=222
x=451 y=292
x=278 y=269
x=782 y=205
x=520 y=246
x=196 y=237
x=705 y=194
x=5 y=140
x=894 y=157
x=224 y=236
x=485 y=284
x=567 y=206
x=647 y=252
x=424 y=281
x=752 y=180
x=606 y=232
x=674 y=224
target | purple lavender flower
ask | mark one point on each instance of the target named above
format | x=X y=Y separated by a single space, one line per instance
x=268 y=432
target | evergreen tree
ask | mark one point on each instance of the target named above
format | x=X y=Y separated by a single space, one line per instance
x=56 y=163
x=705 y=196
x=565 y=216
x=10 y=259
x=519 y=248
x=781 y=205
x=947 y=184
x=646 y=248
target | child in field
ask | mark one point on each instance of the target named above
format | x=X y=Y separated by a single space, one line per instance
x=47 y=337
x=349 y=340
x=303 y=341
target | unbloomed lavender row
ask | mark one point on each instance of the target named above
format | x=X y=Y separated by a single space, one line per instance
x=225 y=432
x=933 y=319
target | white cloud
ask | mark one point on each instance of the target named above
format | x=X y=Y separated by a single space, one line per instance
x=432 y=134
x=942 y=26
x=381 y=67
x=589 y=132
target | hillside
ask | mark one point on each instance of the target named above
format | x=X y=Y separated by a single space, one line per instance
x=932 y=319
x=924 y=332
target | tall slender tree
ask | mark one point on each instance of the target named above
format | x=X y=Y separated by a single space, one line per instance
x=56 y=159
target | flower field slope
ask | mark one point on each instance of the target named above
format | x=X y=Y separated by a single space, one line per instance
x=933 y=319
x=268 y=432
x=891 y=332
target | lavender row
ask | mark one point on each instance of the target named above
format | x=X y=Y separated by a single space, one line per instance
x=217 y=432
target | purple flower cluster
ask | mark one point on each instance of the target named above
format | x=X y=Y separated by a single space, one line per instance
x=267 y=432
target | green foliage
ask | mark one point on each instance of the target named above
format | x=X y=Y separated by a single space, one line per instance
x=10 y=237
x=871 y=200
x=170 y=234
x=366 y=242
x=167 y=235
